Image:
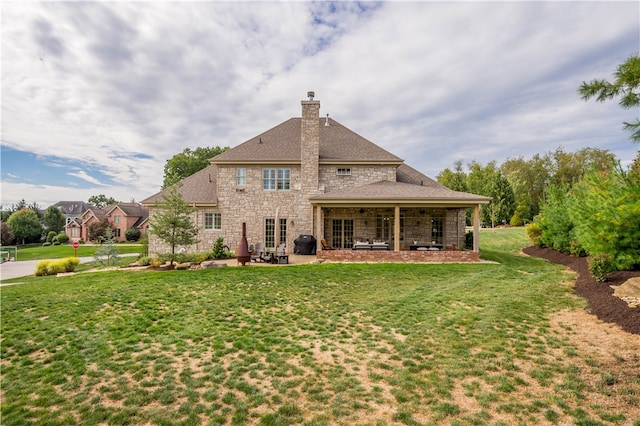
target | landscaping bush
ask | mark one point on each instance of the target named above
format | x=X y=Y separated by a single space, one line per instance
x=51 y=235
x=468 y=240
x=62 y=238
x=534 y=233
x=599 y=266
x=132 y=234
x=53 y=267
x=144 y=261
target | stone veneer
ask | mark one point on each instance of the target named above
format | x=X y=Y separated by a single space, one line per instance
x=405 y=256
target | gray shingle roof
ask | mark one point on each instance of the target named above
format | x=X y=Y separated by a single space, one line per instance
x=199 y=188
x=387 y=191
x=282 y=143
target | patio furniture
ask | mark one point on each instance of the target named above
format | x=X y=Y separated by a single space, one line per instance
x=426 y=246
x=359 y=245
x=325 y=245
x=280 y=256
x=259 y=254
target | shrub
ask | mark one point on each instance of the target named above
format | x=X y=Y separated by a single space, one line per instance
x=599 y=266
x=468 y=240
x=516 y=220
x=576 y=249
x=53 y=267
x=533 y=233
x=56 y=243
x=51 y=235
x=132 y=234
x=155 y=262
x=144 y=261
x=42 y=268
x=62 y=238
x=218 y=249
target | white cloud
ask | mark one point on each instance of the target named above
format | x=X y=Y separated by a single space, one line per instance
x=123 y=86
x=84 y=176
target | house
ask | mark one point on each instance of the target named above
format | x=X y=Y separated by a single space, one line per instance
x=72 y=209
x=313 y=176
x=121 y=217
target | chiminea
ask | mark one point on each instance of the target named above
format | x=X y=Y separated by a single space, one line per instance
x=242 y=254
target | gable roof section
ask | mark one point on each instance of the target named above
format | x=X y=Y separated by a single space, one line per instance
x=198 y=189
x=407 y=174
x=386 y=193
x=94 y=212
x=71 y=208
x=129 y=209
x=338 y=144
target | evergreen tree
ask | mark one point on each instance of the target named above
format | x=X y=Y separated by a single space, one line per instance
x=626 y=86
x=107 y=253
x=172 y=222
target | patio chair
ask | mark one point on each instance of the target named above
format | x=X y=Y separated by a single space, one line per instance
x=281 y=256
x=258 y=254
x=325 y=245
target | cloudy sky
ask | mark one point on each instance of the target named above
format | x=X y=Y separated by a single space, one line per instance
x=96 y=96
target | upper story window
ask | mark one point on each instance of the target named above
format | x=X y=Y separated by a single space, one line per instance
x=116 y=219
x=343 y=171
x=276 y=179
x=212 y=221
x=241 y=176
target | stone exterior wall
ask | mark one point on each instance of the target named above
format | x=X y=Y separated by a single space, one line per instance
x=360 y=175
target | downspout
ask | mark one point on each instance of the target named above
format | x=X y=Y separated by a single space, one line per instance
x=319 y=227
x=396 y=229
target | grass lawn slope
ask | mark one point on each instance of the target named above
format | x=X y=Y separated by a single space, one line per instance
x=366 y=344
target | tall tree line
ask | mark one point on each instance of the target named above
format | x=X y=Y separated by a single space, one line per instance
x=518 y=186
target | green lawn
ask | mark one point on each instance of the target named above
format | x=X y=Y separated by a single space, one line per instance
x=306 y=344
x=38 y=252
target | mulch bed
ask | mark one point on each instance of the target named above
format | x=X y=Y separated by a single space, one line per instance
x=602 y=303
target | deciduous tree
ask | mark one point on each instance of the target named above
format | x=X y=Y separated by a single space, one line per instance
x=25 y=225
x=101 y=201
x=187 y=163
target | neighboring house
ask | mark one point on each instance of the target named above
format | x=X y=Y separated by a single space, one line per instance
x=121 y=216
x=313 y=176
x=72 y=209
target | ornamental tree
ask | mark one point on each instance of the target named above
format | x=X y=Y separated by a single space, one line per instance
x=172 y=222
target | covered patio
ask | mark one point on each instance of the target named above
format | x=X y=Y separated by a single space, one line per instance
x=396 y=222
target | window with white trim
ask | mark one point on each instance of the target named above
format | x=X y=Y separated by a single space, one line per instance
x=213 y=221
x=343 y=171
x=276 y=179
x=241 y=176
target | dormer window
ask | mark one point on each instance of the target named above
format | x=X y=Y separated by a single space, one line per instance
x=343 y=171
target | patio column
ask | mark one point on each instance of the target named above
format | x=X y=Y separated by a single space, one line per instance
x=396 y=228
x=319 y=227
x=476 y=228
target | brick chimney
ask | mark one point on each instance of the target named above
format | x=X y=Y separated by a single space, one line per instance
x=310 y=146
